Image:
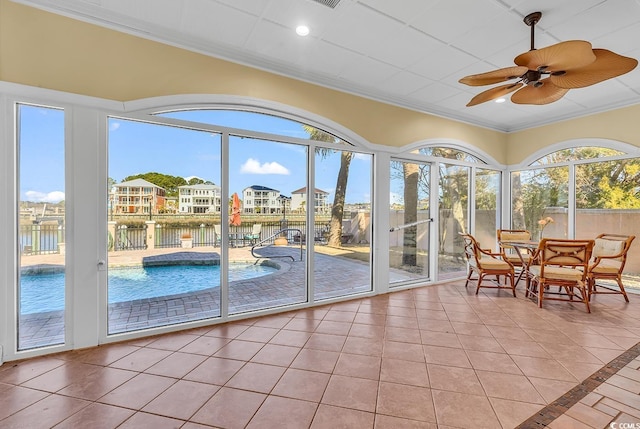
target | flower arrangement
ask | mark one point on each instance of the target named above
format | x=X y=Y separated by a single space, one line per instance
x=543 y=223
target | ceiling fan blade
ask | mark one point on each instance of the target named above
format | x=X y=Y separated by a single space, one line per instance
x=544 y=94
x=561 y=56
x=495 y=76
x=606 y=66
x=493 y=93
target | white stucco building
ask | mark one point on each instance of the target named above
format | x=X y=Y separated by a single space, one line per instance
x=200 y=198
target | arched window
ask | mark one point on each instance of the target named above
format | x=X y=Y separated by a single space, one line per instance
x=579 y=191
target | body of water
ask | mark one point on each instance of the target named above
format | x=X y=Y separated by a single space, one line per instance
x=45 y=292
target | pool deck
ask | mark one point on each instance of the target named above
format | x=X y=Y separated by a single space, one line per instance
x=286 y=286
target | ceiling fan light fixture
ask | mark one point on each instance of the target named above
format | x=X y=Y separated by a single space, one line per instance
x=566 y=65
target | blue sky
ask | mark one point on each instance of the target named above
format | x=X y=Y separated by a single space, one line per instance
x=139 y=148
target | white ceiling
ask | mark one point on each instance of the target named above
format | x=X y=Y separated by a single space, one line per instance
x=409 y=53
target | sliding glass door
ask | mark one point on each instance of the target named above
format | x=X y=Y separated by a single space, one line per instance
x=164 y=261
x=41 y=291
x=410 y=222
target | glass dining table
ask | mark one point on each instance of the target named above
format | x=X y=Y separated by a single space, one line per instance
x=526 y=250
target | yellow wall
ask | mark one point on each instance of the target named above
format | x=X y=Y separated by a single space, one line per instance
x=621 y=125
x=50 y=51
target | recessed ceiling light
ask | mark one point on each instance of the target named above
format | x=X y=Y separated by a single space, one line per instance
x=302 y=30
x=500 y=100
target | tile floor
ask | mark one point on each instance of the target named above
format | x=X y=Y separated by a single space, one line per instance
x=432 y=357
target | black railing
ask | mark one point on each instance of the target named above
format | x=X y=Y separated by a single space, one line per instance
x=131 y=237
x=282 y=233
x=41 y=239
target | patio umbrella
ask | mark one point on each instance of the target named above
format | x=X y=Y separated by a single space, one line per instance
x=235 y=211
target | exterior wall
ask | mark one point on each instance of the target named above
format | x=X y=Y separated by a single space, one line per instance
x=261 y=201
x=199 y=199
x=137 y=199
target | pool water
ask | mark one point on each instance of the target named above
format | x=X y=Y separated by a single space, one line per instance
x=45 y=292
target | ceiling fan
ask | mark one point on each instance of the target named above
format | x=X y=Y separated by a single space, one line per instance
x=546 y=75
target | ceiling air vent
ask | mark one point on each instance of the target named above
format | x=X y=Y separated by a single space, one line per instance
x=330 y=3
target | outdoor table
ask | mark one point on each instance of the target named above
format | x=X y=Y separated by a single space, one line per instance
x=522 y=247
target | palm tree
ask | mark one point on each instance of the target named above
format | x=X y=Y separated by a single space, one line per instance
x=337 y=210
x=411 y=172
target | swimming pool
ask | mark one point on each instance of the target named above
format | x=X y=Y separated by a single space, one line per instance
x=45 y=292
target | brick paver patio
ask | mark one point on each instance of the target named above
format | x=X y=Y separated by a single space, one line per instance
x=334 y=276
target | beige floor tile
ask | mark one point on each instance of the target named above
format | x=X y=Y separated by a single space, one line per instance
x=358 y=366
x=104 y=354
x=463 y=410
x=390 y=422
x=589 y=416
x=274 y=354
x=229 y=408
x=62 y=376
x=543 y=368
x=215 y=371
x=176 y=365
x=330 y=417
x=550 y=389
x=340 y=316
x=140 y=359
x=181 y=400
x=22 y=371
x=566 y=422
x=172 y=342
x=488 y=361
x=404 y=372
x=485 y=344
x=350 y=392
x=442 y=339
x=367 y=331
x=523 y=348
x=301 y=384
x=239 y=349
x=283 y=413
x=205 y=345
x=257 y=334
x=403 y=335
x=149 y=421
x=403 y=351
x=363 y=346
x=97 y=416
x=333 y=328
x=509 y=386
x=45 y=413
x=446 y=356
x=370 y=318
x=462 y=328
x=16 y=398
x=316 y=360
x=138 y=391
x=404 y=401
x=256 y=377
x=328 y=342
x=454 y=379
x=286 y=337
x=512 y=413
x=98 y=383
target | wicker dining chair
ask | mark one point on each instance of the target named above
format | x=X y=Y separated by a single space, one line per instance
x=562 y=263
x=609 y=258
x=486 y=263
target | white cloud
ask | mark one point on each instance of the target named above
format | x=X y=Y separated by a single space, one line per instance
x=41 y=197
x=253 y=166
x=114 y=126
